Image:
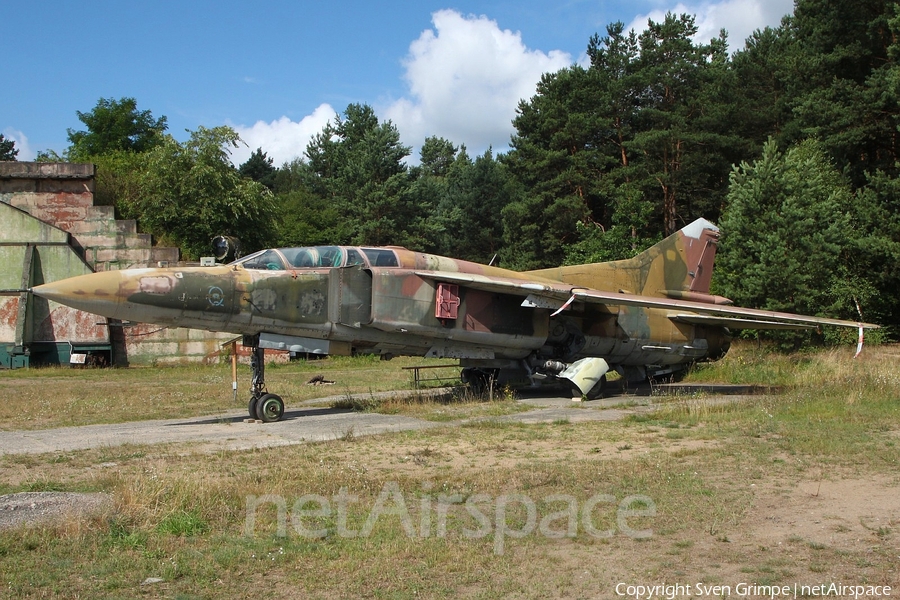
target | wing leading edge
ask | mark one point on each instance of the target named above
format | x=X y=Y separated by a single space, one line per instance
x=552 y=294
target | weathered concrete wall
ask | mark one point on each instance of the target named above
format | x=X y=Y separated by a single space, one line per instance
x=62 y=194
x=150 y=344
x=20 y=227
x=48 y=176
x=55 y=193
x=51 y=206
x=56 y=322
x=33 y=252
x=9 y=311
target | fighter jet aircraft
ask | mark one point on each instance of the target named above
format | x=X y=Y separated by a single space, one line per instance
x=646 y=316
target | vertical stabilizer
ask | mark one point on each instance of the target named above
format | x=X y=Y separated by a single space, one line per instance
x=679 y=266
x=684 y=262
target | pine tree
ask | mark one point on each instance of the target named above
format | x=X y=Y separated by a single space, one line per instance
x=260 y=168
x=785 y=231
x=8 y=150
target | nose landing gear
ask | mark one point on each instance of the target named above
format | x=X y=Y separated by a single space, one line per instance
x=264 y=406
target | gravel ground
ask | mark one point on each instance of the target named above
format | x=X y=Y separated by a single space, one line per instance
x=36 y=508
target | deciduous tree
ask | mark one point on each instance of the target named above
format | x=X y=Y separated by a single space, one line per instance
x=114 y=125
x=190 y=193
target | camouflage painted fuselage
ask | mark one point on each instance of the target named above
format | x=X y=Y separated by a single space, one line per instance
x=359 y=308
x=393 y=301
x=651 y=314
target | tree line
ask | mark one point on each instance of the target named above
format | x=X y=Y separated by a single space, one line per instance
x=790 y=144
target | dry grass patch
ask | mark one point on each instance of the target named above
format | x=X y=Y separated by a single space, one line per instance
x=183 y=518
x=61 y=396
x=797 y=488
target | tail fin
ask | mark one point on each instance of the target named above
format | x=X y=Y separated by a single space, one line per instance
x=679 y=266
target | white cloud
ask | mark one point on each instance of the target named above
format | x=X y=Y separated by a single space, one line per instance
x=21 y=140
x=282 y=140
x=466 y=77
x=740 y=18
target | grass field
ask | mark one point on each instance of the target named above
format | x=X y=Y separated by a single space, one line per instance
x=63 y=396
x=799 y=488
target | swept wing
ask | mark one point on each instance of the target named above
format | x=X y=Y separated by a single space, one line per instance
x=683 y=311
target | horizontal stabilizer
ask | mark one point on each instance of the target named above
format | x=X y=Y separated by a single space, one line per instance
x=738 y=323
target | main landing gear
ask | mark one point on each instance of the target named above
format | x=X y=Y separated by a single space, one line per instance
x=264 y=406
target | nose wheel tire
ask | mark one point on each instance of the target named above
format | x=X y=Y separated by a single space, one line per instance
x=269 y=408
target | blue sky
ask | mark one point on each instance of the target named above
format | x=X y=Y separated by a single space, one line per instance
x=278 y=70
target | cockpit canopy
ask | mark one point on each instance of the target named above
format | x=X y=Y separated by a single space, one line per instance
x=318 y=257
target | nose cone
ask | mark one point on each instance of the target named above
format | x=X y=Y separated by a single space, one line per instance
x=97 y=293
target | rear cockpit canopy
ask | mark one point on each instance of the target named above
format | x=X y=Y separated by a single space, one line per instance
x=318 y=257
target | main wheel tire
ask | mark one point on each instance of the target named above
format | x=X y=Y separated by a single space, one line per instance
x=599 y=388
x=251 y=407
x=269 y=408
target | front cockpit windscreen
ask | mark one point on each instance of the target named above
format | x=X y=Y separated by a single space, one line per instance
x=317 y=257
x=267 y=260
x=314 y=257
